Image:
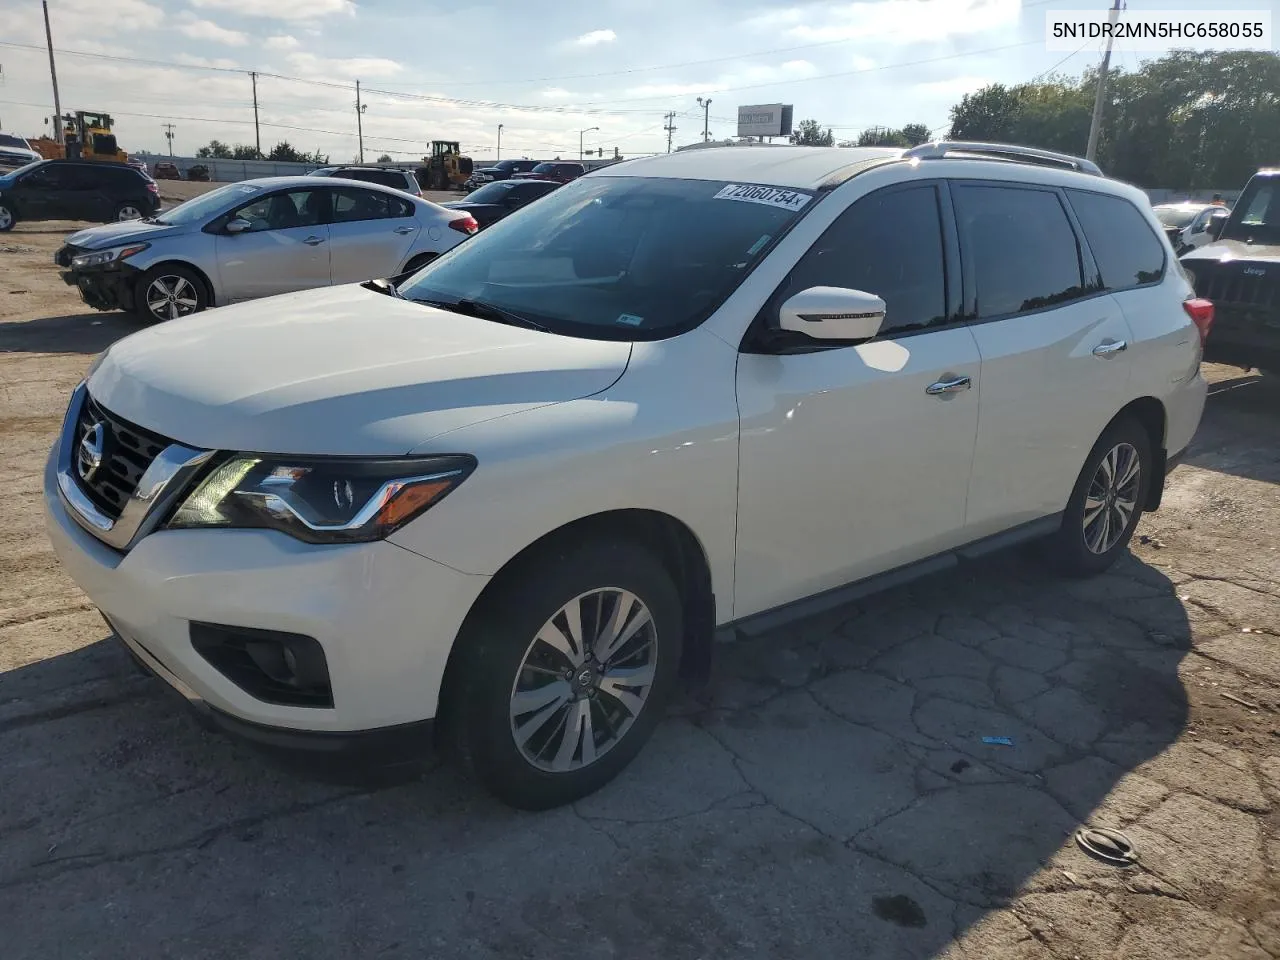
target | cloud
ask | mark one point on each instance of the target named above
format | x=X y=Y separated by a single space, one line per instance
x=208 y=30
x=952 y=86
x=281 y=42
x=595 y=38
x=890 y=21
x=281 y=9
x=317 y=67
x=556 y=93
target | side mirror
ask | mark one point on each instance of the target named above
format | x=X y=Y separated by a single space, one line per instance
x=238 y=225
x=832 y=313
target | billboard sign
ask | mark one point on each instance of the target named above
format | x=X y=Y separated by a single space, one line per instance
x=765 y=120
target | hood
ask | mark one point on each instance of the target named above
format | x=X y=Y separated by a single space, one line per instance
x=128 y=231
x=342 y=371
x=1226 y=251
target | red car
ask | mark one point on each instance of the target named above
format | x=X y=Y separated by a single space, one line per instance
x=561 y=171
x=165 y=170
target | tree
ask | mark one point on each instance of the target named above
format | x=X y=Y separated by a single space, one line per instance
x=216 y=149
x=882 y=137
x=242 y=151
x=286 y=152
x=915 y=134
x=385 y=158
x=809 y=134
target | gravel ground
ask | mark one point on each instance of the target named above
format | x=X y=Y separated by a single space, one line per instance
x=828 y=795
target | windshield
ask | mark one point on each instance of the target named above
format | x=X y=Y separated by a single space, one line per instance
x=494 y=192
x=617 y=258
x=8 y=141
x=1176 y=216
x=207 y=204
x=1256 y=217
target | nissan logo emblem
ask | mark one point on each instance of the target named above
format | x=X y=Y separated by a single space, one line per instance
x=89 y=456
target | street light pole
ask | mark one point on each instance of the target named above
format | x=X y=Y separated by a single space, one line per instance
x=706 y=118
x=499 y=141
x=580 y=133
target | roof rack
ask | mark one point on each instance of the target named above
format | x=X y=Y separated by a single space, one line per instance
x=939 y=149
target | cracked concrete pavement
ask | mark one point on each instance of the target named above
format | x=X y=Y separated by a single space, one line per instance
x=828 y=795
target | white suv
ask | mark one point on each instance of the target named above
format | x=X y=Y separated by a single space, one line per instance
x=517 y=495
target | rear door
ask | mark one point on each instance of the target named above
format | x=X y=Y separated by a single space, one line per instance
x=90 y=195
x=371 y=233
x=286 y=247
x=1054 y=345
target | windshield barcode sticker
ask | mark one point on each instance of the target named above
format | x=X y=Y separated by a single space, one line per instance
x=770 y=196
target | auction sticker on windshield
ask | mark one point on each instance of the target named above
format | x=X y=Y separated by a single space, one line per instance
x=770 y=196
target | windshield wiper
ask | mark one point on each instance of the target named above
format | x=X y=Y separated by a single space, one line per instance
x=154 y=220
x=484 y=311
x=382 y=285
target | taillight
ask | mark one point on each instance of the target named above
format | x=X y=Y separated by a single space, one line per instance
x=467 y=224
x=152 y=188
x=1201 y=313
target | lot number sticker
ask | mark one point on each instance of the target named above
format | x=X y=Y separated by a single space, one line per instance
x=770 y=196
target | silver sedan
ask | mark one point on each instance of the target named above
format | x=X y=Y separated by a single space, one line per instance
x=254 y=239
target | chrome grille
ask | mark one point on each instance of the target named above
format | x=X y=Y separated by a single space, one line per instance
x=127 y=451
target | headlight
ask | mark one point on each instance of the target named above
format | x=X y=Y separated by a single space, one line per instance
x=321 y=500
x=99 y=257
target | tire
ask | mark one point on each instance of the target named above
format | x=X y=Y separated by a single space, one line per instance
x=8 y=218
x=129 y=211
x=501 y=656
x=169 y=292
x=1080 y=549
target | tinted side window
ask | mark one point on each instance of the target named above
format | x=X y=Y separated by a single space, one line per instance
x=1126 y=249
x=52 y=177
x=352 y=204
x=888 y=243
x=1024 y=251
x=280 y=211
x=400 y=207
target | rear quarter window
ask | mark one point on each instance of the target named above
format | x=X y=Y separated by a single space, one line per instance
x=1126 y=249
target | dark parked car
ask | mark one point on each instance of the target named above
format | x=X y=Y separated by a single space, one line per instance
x=1240 y=273
x=166 y=170
x=502 y=170
x=76 y=190
x=494 y=201
x=561 y=171
x=392 y=177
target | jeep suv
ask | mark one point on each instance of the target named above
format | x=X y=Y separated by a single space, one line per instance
x=1240 y=274
x=515 y=495
x=76 y=190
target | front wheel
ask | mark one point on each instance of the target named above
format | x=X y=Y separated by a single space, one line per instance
x=128 y=211
x=170 y=291
x=563 y=674
x=1107 y=501
x=7 y=218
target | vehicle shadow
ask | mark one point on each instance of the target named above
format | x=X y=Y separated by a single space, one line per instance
x=829 y=794
x=1240 y=431
x=88 y=333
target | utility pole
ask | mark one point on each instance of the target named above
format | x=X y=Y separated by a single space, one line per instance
x=360 y=108
x=580 y=133
x=168 y=135
x=706 y=118
x=670 y=127
x=257 y=136
x=53 y=73
x=499 y=141
x=1091 y=151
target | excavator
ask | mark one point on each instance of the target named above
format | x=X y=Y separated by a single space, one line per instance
x=86 y=135
x=446 y=168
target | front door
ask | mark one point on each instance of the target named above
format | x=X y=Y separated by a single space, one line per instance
x=855 y=459
x=1055 y=358
x=42 y=193
x=286 y=247
x=370 y=235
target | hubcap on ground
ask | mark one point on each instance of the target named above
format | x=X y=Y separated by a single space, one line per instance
x=169 y=298
x=584 y=679
x=130 y=213
x=1112 y=498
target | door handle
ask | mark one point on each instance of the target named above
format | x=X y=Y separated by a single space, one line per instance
x=313 y=241
x=1109 y=348
x=403 y=230
x=948 y=386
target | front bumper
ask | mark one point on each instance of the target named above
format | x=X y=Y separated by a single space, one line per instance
x=385 y=618
x=109 y=287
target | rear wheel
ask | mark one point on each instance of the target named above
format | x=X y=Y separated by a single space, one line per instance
x=562 y=676
x=129 y=211
x=1106 y=503
x=170 y=291
x=7 y=218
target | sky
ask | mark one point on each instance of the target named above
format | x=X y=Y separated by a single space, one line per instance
x=545 y=71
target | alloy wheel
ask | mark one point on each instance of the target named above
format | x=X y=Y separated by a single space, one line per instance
x=128 y=212
x=1112 y=498
x=584 y=680
x=6 y=218
x=171 y=297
